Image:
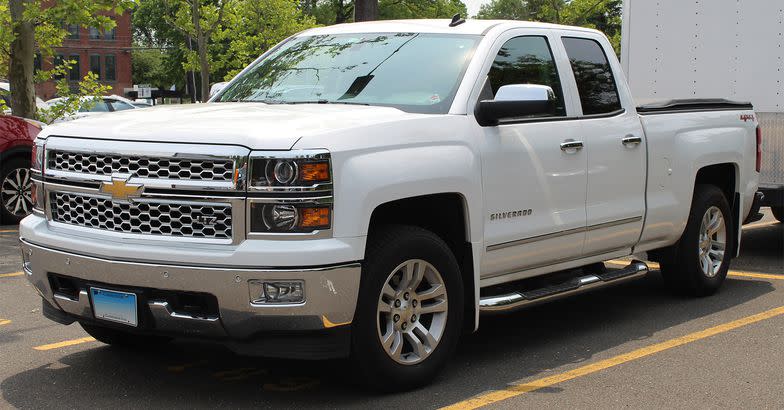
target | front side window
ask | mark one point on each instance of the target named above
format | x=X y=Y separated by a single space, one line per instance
x=119 y=105
x=414 y=72
x=527 y=60
x=595 y=80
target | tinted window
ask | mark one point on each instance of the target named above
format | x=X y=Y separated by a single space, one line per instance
x=120 y=105
x=595 y=81
x=527 y=60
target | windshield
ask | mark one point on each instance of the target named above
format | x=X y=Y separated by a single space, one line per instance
x=413 y=72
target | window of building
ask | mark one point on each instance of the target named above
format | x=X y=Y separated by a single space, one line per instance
x=58 y=61
x=527 y=60
x=110 y=73
x=95 y=33
x=73 y=31
x=595 y=80
x=110 y=34
x=95 y=65
x=74 y=74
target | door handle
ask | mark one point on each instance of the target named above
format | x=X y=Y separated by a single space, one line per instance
x=571 y=146
x=631 y=140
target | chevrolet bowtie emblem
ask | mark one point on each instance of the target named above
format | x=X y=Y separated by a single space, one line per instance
x=120 y=189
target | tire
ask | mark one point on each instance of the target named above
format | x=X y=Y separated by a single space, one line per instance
x=778 y=212
x=15 y=183
x=391 y=253
x=697 y=266
x=123 y=339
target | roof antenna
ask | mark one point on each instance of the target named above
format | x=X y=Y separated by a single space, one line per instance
x=456 y=20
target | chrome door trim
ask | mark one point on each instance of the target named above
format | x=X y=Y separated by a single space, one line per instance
x=553 y=235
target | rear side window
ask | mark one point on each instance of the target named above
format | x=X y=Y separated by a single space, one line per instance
x=527 y=60
x=595 y=80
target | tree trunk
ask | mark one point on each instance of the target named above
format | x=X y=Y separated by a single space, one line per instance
x=201 y=43
x=365 y=10
x=20 y=68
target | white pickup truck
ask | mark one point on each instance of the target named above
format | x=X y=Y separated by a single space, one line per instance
x=366 y=190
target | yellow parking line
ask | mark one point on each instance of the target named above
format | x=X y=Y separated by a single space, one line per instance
x=9 y=275
x=64 y=344
x=4 y=322
x=9 y=231
x=522 y=388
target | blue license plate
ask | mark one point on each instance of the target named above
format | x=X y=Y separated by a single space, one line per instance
x=114 y=306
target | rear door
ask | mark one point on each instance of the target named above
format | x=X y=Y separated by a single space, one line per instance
x=614 y=144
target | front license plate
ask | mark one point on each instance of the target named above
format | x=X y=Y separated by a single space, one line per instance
x=114 y=306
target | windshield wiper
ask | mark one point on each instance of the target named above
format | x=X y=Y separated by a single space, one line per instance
x=318 y=102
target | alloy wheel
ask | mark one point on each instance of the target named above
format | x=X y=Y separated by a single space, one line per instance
x=16 y=195
x=412 y=312
x=712 y=241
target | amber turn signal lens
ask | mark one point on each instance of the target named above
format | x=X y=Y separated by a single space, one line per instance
x=314 y=171
x=314 y=218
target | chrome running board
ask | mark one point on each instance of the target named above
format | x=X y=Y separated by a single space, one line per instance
x=519 y=299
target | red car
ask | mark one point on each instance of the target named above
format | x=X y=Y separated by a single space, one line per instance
x=16 y=142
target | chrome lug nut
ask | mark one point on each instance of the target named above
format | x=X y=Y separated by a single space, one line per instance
x=414 y=303
x=396 y=318
x=413 y=318
x=404 y=326
x=397 y=303
x=406 y=296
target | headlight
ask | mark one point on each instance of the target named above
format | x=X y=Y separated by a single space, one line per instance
x=291 y=169
x=290 y=192
x=37 y=160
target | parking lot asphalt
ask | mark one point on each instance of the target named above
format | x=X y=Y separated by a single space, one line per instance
x=632 y=345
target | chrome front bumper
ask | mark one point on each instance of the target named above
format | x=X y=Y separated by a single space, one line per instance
x=330 y=294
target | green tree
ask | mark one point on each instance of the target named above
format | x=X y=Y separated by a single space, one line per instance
x=202 y=21
x=253 y=27
x=39 y=25
x=603 y=15
x=418 y=9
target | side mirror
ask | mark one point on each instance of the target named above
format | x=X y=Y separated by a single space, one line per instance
x=216 y=88
x=515 y=101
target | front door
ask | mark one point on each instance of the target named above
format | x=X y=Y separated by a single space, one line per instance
x=534 y=189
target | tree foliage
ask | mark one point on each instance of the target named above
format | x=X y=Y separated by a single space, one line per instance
x=603 y=15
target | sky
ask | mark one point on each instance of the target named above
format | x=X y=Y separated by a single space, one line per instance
x=473 y=6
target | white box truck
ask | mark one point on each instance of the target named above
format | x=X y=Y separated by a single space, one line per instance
x=682 y=49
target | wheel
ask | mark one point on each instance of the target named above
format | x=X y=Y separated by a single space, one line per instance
x=699 y=261
x=778 y=212
x=119 y=338
x=15 y=199
x=410 y=310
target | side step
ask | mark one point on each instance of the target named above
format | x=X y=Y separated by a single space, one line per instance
x=519 y=299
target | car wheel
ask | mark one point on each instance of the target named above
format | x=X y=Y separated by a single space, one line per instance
x=410 y=310
x=700 y=261
x=778 y=212
x=119 y=338
x=15 y=184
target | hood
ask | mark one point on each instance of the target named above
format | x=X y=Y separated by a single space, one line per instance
x=254 y=125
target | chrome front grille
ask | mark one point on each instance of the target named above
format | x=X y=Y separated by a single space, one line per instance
x=176 y=219
x=142 y=167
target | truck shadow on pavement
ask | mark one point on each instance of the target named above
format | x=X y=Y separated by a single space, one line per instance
x=507 y=348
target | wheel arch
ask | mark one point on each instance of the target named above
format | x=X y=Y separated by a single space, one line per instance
x=447 y=216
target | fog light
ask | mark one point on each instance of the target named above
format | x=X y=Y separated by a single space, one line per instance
x=276 y=292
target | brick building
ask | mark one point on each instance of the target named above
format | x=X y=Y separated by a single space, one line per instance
x=106 y=53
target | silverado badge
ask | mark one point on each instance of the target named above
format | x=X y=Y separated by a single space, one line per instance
x=120 y=189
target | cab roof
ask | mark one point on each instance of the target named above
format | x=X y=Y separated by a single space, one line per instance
x=437 y=26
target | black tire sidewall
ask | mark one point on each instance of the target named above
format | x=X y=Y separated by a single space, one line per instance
x=388 y=250
x=685 y=270
x=778 y=212
x=8 y=167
